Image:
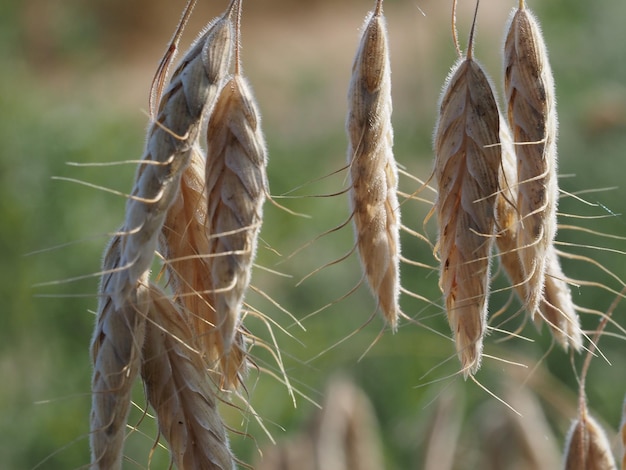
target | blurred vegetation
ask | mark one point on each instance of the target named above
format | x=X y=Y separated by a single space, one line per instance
x=71 y=93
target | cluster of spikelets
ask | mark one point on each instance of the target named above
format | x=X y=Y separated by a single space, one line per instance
x=199 y=209
x=497 y=182
x=201 y=214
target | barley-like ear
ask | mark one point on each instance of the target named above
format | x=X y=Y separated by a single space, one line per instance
x=116 y=354
x=557 y=308
x=507 y=213
x=192 y=88
x=185 y=245
x=587 y=447
x=179 y=390
x=467 y=165
x=236 y=188
x=529 y=89
x=373 y=171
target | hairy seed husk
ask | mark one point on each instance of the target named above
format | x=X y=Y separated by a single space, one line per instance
x=186 y=246
x=116 y=355
x=587 y=447
x=236 y=188
x=192 y=89
x=467 y=165
x=179 y=390
x=531 y=110
x=373 y=170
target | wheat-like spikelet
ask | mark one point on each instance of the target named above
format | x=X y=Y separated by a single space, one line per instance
x=529 y=90
x=556 y=307
x=373 y=171
x=587 y=447
x=185 y=240
x=467 y=165
x=179 y=390
x=192 y=88
x=236 y=188
x=116 y=354
x=507 y=215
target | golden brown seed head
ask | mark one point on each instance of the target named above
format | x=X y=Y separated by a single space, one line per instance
x=373 y=170
x=467 y=166
x=531 y=111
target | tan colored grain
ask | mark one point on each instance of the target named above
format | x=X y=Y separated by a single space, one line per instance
x=236 y=187
x=192 y=89
x=177 y=387
x=556 y=307
x=529 y=90
x=185 y=245
x=373 y=170
x=467 y=165
x=116 y=354
x=587 y=447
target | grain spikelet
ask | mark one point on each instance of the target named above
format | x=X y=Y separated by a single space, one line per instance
x=116 y=354
x=185 y=240
x=236 y=187
x=177 y=386
x=587 y=447
x=373 y=170
x=192 y=88
x=529 y=90
x=556 y=307
x=467 y=164
x=507 y=214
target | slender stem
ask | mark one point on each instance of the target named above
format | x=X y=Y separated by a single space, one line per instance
x=470 y=45
x=379 y=8
x=158 y=81
x=455 y=33
x=238 y=38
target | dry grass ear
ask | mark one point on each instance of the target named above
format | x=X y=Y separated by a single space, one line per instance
x=183 y=397
x=587 y=447
x=185 y=247
x=531 y=111
x=467 y=166
x=171 y=137
x=373 y=170
x=236 y=188
x=116 y=355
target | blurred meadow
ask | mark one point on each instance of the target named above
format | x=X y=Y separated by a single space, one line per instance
x=74 y=82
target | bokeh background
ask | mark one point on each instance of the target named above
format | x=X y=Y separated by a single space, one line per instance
x=74 y=81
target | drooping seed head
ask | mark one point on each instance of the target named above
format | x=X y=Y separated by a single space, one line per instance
x=373 y=170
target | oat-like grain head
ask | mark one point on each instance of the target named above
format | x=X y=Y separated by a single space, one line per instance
x=531 y=111
x=171 y=137
x=557 y=307
x=373 y=170
x=185 y=244
x=180 y=390
x=116 y=355
x=587 y=447
x=236 y=188
x=467 y=167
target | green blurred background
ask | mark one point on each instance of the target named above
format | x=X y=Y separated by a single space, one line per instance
x=74 y=82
